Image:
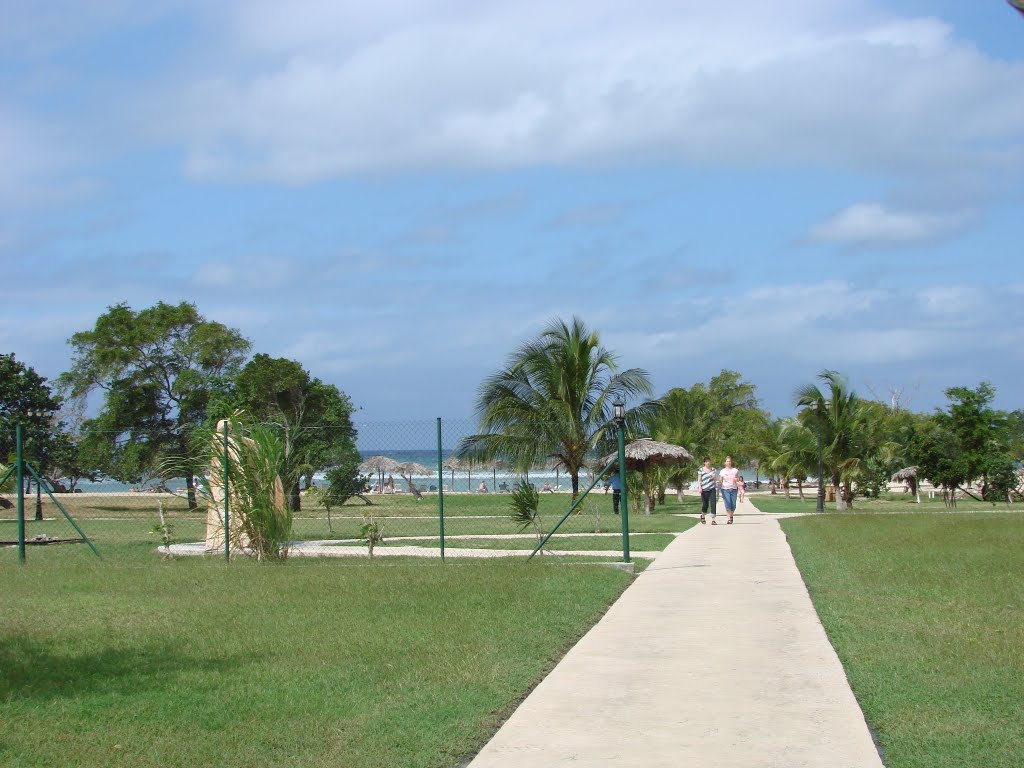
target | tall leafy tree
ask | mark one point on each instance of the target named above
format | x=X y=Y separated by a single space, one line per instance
x=716 y=419
x=553 y=399
x=969 y=442
x=835 y=416
x=23 y=392
x=315 y=418
x=157 y=369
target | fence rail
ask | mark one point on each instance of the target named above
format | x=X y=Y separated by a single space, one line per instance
x=433 y=505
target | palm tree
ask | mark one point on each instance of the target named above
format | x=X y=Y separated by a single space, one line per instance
x=799 y=453
x=836 y=418
x=553 y=400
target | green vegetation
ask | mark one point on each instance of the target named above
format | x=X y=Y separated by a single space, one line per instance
x=305 y=663
x=122 y=526
x=926 y=613
x=158 y=369
x=314 y=419
x=553 y=401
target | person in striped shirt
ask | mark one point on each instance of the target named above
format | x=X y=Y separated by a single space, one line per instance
x=708 y=482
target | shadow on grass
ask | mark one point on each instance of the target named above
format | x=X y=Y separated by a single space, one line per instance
x=30 y=672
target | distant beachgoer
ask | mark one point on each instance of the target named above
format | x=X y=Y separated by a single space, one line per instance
x=482 y=488
x=706 y=480
x=389 y=484
x=616 y=486
x=727 y=481
x=547 y=488
x=741 y=488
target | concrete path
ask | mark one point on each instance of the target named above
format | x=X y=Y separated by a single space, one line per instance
x=713 y=657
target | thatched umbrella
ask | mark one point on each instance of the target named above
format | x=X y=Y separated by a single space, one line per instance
x=380 y=465
x=644 y=453
x=909 y=475
x=452 y=463
x=408 y=469
x=557 y=465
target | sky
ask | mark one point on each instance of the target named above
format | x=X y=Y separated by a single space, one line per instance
x=399 y=194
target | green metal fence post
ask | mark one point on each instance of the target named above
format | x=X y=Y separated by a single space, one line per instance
x=21 y=492
x=41 y=483
x=440 y=488
x=227 y=496
x=624 y=500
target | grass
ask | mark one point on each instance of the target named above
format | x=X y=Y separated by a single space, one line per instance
x=307 y=663
x=926 y=613
x=121 y=525
x=647 y=542
x=888 y=504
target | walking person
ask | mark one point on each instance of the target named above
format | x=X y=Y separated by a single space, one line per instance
x=727 y=479
x=616 y=492
x=706 y=479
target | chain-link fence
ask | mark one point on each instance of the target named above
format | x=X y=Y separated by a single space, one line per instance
x=416 y=495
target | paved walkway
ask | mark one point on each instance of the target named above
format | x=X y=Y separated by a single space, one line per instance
x=713 y=657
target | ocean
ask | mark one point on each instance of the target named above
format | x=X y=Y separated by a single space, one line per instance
x=459 y=481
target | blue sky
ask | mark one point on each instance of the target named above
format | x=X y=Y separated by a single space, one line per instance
x=399 y=194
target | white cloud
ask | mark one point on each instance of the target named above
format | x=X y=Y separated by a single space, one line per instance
x=336 y=88
x=873 y=224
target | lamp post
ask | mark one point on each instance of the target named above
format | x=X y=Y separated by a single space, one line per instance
x=619 y=411
x=820 y=506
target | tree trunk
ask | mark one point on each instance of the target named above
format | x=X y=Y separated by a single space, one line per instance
x=294 y=497
x=785 y=486
x=838 y=493
x=800 y=488
x=848 y=493
x=190 y=485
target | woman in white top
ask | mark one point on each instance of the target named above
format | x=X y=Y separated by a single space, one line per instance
x=727 y=479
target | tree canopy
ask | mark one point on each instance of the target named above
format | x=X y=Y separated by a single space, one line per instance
x=553 y=400
x=157 y=369
x=315 y=418
x=22 y=392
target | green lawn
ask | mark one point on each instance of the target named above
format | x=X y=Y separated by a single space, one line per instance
x=926 y=612
x=121 y=526
x=648 y=542
x=309 y=663
x=888 y=504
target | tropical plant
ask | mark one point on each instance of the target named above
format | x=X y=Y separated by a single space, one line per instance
x=836 y=418
x=343 y=483
x=553 y=400
x=719 y=418
x=797 y=454
x=165 y=531
x=524 y=503
x=372 y=532
x=254 y=457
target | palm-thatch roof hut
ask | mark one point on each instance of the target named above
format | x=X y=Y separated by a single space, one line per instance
x=908 y=475
x=380 y=465
x=409 y=468
x=451 y=464
x=645 y=453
